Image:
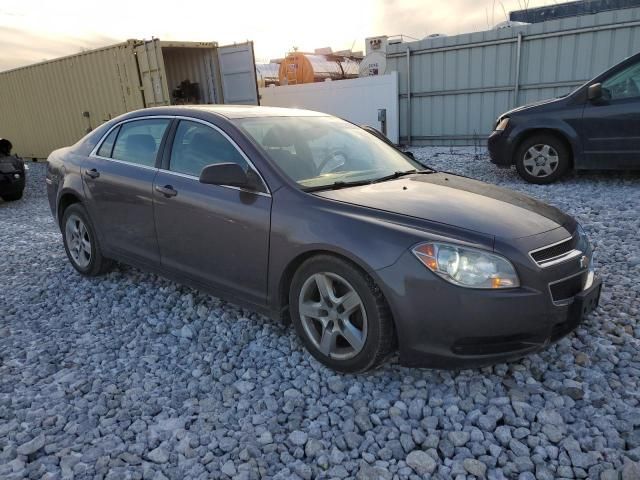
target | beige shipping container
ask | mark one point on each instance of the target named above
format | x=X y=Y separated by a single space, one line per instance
x=54 y=103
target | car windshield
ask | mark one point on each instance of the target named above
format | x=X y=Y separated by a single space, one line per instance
x=319 y=152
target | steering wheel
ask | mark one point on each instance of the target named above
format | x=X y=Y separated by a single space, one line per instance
x=333 y=155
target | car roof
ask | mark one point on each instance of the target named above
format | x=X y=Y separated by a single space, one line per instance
x=234 y=111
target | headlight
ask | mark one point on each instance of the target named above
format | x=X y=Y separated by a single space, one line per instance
x=467 y=267
x=502 y=124
x=583 y=243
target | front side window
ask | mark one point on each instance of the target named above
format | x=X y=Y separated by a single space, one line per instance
x=196 y=145
x=323 y=151
x=624 y=84
x=139 y=141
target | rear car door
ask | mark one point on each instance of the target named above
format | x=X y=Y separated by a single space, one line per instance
x=611 y=126
x=118 y=182
x=215 y=235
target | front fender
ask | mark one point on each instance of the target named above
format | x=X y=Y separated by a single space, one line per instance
x=369 y=238
x=559 y=127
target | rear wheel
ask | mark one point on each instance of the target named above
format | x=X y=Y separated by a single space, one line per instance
x=81 y=242
x=542 y=159
x=340 y=315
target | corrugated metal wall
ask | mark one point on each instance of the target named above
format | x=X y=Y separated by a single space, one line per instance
x=43 y=104
x=459 y=85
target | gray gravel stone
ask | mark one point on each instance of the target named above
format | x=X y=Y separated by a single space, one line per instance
x=475 y=467
x=459 y=438
x=158 y=455
x=32 y=446
x=298 y=438
x=421 y=462
x=503 y=434
x=228 y=468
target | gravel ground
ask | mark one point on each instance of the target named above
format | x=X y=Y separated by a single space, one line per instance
x=133 y=376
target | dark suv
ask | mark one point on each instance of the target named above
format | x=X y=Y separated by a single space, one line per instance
x=595 y=127
x=12 y=173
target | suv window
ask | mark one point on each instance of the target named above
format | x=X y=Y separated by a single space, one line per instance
x=196 y=145
x=624 y=84
x=138 y=141
x=107 y=146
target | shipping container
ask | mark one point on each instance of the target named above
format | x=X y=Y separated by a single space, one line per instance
x=54 y=103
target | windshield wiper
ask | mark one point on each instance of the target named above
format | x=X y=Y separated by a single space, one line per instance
x=337 y=185
x=399 y=174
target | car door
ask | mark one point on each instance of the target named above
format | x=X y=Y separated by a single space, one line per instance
x=611 y=125
x=215 y=235
x=118 y=182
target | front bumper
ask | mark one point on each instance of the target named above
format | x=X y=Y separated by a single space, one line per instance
x=500 y=148
x=440 y=325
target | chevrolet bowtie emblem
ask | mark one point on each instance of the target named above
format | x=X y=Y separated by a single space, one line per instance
x=584 y=261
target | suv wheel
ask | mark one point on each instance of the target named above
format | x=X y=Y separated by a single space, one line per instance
x=81 y=242
x=340 y=315
x=542 y=159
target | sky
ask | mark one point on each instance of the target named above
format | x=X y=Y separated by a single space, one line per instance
x=35 y=30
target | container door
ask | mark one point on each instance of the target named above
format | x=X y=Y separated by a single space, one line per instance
x=152 y=74
x=237 y=68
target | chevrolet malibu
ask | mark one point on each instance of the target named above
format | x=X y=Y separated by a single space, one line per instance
x=303 y=216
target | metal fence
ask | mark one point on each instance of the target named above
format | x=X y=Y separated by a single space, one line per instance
x=453 y=88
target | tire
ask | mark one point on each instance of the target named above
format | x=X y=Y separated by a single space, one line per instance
x=85 y=256
x=12 y=197
x=374 y=335
x=551 y=163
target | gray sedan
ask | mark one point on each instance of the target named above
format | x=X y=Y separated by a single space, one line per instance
x=303 y=216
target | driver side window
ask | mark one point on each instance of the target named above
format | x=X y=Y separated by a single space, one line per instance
x=624 y=84
x=196 y=145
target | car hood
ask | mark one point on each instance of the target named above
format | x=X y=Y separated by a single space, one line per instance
x=457 y=201
x=529 y=106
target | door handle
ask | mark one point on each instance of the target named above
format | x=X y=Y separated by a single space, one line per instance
x=167 y=191
x=93 y=173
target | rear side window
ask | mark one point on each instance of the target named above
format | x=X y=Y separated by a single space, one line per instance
x=138 y=141
x=196 y=145
x=107 y=146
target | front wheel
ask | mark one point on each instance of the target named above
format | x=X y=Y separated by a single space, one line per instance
x=341 y=315
x=81 y=242
x=542 y=159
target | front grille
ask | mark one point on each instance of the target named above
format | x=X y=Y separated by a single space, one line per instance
x=568 y=288
x=540 y=256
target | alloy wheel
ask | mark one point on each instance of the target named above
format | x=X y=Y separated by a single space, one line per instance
x=541 y=160
x=333 y=316
x=78 y=241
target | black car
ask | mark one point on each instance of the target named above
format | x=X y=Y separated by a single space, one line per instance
x=12 y=173
x=595 y=127
x=301 y=215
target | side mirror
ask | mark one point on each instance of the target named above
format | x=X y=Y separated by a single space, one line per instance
x=230 y=174
x=594 y=92
x=410 y=155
